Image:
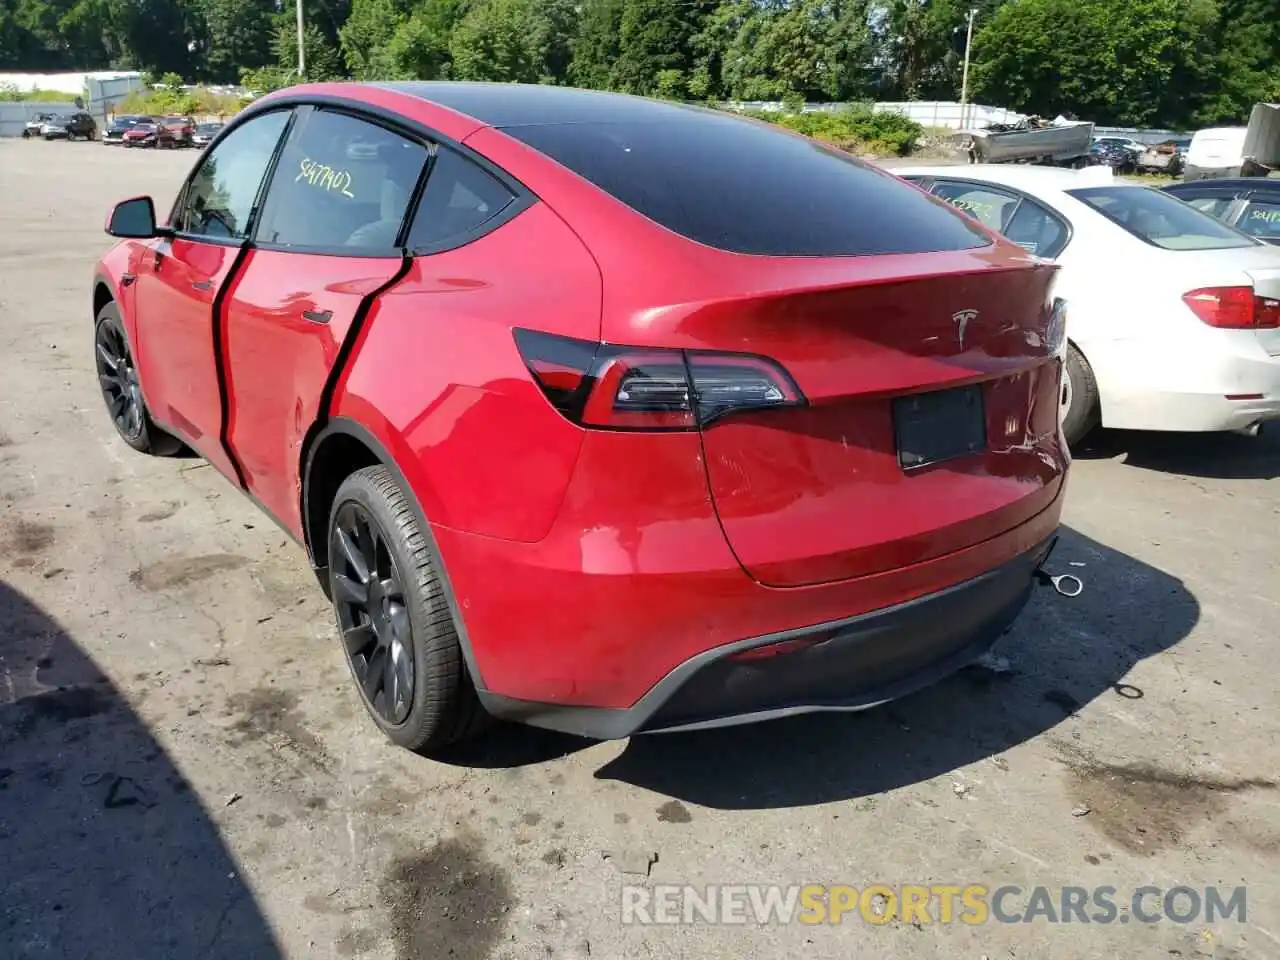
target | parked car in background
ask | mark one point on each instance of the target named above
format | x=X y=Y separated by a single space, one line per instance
x=149 y=132
x=1173 y=317
x=69 y=126
x=1250 y=204
x=1215 y=152
x=181 y=130
x=482 y=345
x=1117 y=156
x=32 y=127
x=1134 y=147
x=1164 y=157
x=204 y=133
x=113 y=135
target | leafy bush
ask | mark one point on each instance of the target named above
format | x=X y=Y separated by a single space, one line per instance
x=10 y=92
x=855 y=128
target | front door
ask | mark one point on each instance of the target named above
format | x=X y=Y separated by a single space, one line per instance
x=327 y=242
x=179 y=279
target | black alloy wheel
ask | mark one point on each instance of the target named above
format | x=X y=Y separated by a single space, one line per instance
x=398 y=628
x=119 y=379
x=372 y=615
x=122 y=390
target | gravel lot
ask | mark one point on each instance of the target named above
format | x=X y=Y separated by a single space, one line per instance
x=186 y=773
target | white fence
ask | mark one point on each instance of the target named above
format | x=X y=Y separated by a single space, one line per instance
x=13 y=116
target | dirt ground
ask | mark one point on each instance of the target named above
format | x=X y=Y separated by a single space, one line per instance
x=186 y=772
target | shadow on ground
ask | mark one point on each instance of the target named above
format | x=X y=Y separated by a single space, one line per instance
x=107 y=852
x=1213 y=456
x=1062 y=653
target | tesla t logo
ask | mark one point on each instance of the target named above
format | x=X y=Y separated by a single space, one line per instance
x=962 y=319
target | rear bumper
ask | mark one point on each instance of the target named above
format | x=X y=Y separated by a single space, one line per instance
x=845 y=665
x=1228 y=382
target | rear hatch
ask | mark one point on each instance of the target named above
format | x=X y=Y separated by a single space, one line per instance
x=868 y=369
x=930 y=423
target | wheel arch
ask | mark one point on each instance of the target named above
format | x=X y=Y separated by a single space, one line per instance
x=102 y=294
x=332 y=452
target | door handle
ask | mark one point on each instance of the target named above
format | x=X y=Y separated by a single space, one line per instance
x=202 y=285
x=127 y=279
x=317 y=316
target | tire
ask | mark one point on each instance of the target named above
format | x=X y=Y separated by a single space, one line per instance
x=387 y=557
x=121 y=391
x=1081 y=411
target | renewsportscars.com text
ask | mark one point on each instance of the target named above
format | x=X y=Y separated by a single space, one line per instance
x=971 y=904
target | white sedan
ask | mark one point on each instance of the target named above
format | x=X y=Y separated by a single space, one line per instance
x=1173 y=318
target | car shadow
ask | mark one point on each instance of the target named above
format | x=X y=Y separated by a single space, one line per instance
x=1061 y=654
x=107 y=851
x=1211 y=456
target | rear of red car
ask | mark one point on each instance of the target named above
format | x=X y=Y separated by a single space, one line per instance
x=820 y=458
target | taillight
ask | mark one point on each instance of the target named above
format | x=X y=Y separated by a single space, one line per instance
x=634 y=388
x=1268 y=310
x=1234 y=308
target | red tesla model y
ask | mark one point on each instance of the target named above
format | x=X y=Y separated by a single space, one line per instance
x=594 y=412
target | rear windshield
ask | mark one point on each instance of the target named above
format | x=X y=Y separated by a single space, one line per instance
x=1160 y=219
x=747 y=188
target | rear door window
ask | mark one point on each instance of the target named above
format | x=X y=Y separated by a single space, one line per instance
x=993 y=207
x=1261 y=219
x=747 y=187
x=342 y=184
x=1160 y=219
x=1037 y=230
x=461 y=197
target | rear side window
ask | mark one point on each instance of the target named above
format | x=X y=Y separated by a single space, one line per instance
x=1261 y=219
x=1214 y=206
x=1037 y=230
x=993 y=207
x=461 y=197
x=1159 y=219
x=747 y=188
x=342 y=183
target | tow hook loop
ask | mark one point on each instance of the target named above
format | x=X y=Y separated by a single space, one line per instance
x=1066 y=584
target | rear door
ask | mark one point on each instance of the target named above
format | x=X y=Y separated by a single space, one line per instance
x=179 y=279
x=328 y=242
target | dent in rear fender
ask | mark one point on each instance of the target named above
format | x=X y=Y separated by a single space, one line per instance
x=437 y=374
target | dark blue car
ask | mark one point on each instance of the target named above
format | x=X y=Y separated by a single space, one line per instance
x=1251 y=204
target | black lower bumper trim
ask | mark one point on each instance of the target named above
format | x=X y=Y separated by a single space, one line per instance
x=849 y=664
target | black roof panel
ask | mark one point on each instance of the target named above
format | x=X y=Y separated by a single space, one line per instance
x=518 y=104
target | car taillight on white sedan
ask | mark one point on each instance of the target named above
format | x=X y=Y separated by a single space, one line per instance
x=1234 y=308
x=639 y=388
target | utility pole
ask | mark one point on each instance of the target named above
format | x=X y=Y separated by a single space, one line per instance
x=302 y=56
x=964 y=78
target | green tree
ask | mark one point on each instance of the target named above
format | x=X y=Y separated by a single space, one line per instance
x=419 y=50
x=595 y=47
x=1244 y=37
x=237 y=35
x=1105 y=61
x=323 y=61
x=366 y=38
x=513 y=40
x=792 y=50
x=655 y=36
